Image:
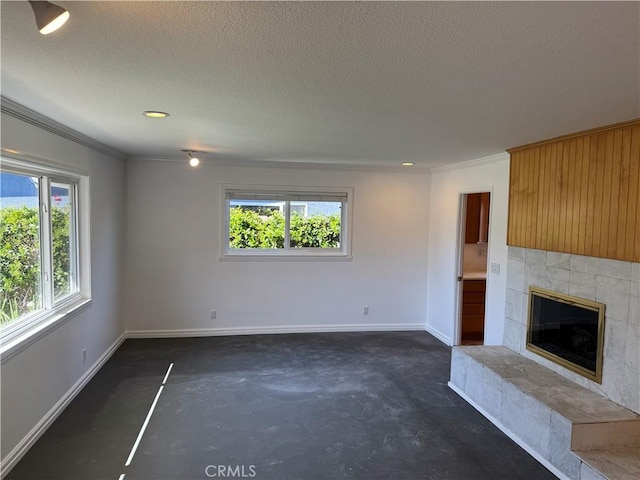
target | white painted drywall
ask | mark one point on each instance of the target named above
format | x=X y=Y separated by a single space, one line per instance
x=447 y=184
x=174 y=276
x=36 y=378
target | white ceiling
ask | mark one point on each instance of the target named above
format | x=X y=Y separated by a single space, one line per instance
x=373 y=83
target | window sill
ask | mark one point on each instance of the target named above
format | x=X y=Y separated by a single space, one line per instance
x=23 y=338
x=286 y=258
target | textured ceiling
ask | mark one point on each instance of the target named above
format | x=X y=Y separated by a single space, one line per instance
x=359 y=83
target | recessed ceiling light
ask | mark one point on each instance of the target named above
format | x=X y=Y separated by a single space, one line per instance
x=155 y=114
x=10 y=150
x=407 y=164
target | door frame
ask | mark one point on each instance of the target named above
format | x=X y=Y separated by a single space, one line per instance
x=457 y=274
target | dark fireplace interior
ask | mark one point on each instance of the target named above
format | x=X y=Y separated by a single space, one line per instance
x=565 y=330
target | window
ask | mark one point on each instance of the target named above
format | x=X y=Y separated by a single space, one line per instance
x=39 y=244
x=285 y=222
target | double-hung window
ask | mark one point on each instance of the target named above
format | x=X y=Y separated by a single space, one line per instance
x=282 y=221
x=39 y=244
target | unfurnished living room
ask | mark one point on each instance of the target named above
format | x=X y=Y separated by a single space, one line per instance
x=320 y=240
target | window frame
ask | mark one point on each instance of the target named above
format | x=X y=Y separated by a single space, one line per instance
x=288 y=252
x=20 y=333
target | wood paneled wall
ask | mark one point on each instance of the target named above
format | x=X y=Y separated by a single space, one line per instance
x=579 y=193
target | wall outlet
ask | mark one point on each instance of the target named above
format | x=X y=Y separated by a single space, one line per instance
x=84 y=355
x=365 y=310
x=213 y=314
x=495 y=268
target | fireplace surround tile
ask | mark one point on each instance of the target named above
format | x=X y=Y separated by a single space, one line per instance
x=513 y=334
x=580 y=263
x=515 y=275
x=536 y=274
x=559 y=260
x=614 y=268
x=591 y=278
x=634 y=303
x=516 y=254
x=535 y=257
x=635 y=272
x=558 y=279
x=615 y=293
x=582 y=284
x=631 y=391
x=514 y=305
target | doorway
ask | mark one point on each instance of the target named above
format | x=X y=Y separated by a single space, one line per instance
x=473 y=244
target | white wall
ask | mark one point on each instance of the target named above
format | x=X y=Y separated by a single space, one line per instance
x=36 y=378
x=174 y=276
x=447 y=184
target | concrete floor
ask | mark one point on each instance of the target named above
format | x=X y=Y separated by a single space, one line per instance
x=282 y=407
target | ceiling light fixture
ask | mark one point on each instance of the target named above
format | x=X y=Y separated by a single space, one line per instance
x=193 y=161
x=155 y=114
x=49 y=16
x=408 y=164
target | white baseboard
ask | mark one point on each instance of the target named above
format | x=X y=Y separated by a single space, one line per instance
x=36 y=432
x=439 y=335
x=510 y=434
x=274 y=329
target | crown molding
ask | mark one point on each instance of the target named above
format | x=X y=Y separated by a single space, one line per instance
x=477 y=162
x=16 y=110
x=236 y=162
x=584 y=133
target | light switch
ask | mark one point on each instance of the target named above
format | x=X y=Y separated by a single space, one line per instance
x=495 y=268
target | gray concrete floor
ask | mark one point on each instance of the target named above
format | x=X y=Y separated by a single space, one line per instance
x=277 y=407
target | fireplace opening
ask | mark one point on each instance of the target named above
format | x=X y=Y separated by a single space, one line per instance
x=567 y=330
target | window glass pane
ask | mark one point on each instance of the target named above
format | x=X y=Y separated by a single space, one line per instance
x=256 y=224
x=62 y=239
x=20 y=288
x=315 y=224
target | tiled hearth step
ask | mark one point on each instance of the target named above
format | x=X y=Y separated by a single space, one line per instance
x=575 y=432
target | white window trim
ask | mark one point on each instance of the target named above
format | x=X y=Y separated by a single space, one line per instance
x=343 y=253
x=22 y=333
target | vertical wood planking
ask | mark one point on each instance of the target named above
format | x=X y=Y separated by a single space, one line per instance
x=622 y=207
x=569 y=185
x=606 y=196
x=557 y=200
x=597 y=207
x=579 y=194
x=542 y=199
x=591 y=198
x=584 y=195
x=514 y=214
x=526 y=192
x=612 y=214
x=532 y=198
x=578 y=187
x=632 y=248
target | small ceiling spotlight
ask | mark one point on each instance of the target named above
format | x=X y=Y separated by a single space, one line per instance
x=408 y=164
x=193 y=161
x=155 y=114
x=49 y=16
